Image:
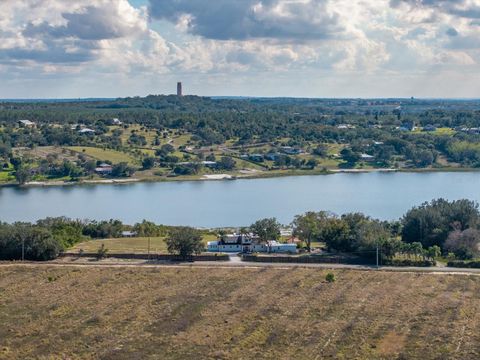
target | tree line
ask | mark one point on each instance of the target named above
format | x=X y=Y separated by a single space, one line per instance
x=438 y=227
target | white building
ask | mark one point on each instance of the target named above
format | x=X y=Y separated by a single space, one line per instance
x=235 y=243
x=116 y=121
x=86 y=131
x=26 y=123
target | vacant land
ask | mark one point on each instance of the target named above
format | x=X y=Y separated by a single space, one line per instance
x=130 y=245
x=178 y=313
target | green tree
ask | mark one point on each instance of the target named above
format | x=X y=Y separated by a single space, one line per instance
x=148 y=163
x=266 y=229
x=431 y=223
x=23 y=175
x=226 y=163
x=308 y=227
x=148 y=228
x=184 y=241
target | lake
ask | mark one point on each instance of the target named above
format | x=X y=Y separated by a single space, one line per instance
x=238 y=203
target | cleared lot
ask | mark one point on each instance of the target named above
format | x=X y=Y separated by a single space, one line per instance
x=170 y=313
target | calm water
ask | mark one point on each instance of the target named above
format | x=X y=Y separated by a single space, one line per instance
x=237 y=203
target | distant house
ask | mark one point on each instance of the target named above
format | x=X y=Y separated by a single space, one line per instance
x=86 y=131
x=26 y=123
x=345 y=126
x=256 y=157
x=116 y=121
x=408 y=126
x=366 y=157
x=236 y=243
x=104 y=169
x=129 y=234
x=209 y=164
x=290 y=150
x=287 y=232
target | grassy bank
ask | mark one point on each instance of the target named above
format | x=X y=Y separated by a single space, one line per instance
x=167 y=313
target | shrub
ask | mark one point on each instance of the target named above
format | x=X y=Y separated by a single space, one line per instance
x=464 y=264
x=409 y=262
x=102 y=252
x=330 y=277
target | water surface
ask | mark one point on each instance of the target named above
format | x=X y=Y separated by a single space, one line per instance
x=237 y=203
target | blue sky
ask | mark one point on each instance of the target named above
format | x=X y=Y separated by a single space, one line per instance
x=313 y=48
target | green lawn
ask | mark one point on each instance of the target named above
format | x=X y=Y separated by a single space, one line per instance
x=6 y=176
x=105 y=154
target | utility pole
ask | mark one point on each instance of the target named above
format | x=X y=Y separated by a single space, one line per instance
x=377 y=254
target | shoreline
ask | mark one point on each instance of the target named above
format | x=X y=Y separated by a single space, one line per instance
x=230 y=177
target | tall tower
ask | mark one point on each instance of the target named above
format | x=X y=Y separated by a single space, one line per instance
x=179 y=89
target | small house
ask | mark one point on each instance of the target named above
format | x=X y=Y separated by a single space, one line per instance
x=104 y=169
x=116 y=121
x=366 y=157
x=209 y=164
x=256 y=157
x=26 y=123
x=86 y=131
x=129 y=234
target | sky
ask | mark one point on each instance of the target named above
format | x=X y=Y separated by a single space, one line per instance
x=298 y=48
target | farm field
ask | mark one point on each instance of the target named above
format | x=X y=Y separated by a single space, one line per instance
x=178 y=313
x=129 y=245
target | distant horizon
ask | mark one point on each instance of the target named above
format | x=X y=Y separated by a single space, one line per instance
x=53 y=99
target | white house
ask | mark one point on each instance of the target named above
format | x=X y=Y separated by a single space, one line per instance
x=116 y=121
x=235 y=243
x=366 y=157
x=26 y=123
x=104 y=169
x=86 y=131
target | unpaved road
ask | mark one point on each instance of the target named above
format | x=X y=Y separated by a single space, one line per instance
x=236 y=263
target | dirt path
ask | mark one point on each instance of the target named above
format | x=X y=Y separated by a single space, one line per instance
x=236 y=263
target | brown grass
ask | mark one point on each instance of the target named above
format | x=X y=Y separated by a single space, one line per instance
x=195 y=313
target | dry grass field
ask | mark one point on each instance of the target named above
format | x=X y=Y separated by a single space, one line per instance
x=198 y=313
x=129 y=245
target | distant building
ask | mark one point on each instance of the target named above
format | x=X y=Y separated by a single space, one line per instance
x=209 y=163
x=179 y=89
x=26 y=123
x=256 y=157
x=116 y=122
x=366 y=157
x=129 y=234
x=86 y=131
x=104 y=169
x=248 y=243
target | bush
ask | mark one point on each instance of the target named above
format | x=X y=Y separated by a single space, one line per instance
x=330 y=277
x=464 y=264
x=409 y=262
x=102 y=252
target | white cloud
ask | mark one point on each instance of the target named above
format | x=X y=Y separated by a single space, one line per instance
x=235 y=40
